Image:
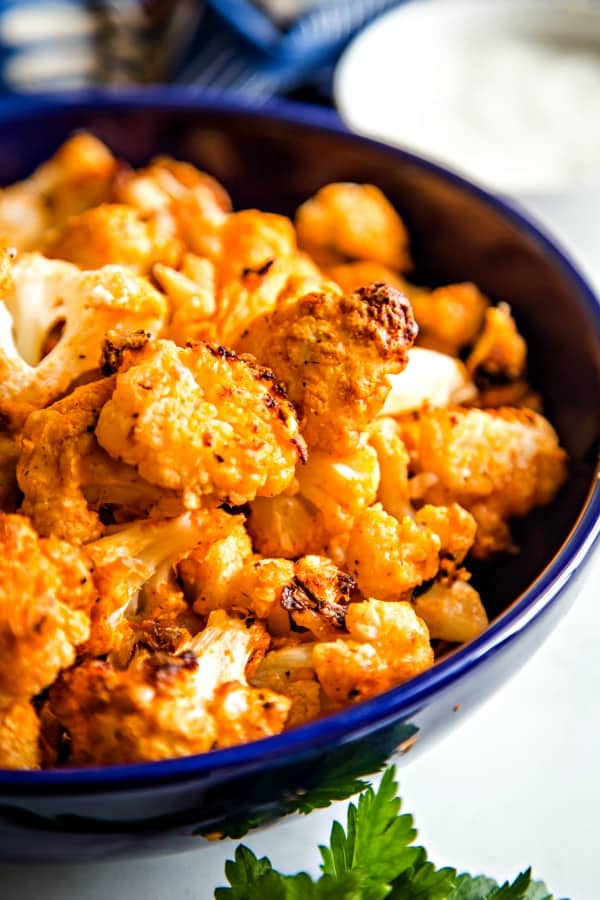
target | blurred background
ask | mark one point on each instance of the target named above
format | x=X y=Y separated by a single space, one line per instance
x=506 y=91
x=256 y=47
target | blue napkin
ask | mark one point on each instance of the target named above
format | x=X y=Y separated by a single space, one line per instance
x=258 y=48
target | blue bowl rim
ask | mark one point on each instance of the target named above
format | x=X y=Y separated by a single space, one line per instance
x=405 y=699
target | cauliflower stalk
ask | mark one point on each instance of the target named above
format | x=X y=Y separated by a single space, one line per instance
x=90 y=303
x=139 y=598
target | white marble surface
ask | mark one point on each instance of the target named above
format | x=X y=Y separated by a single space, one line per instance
x=516 y=784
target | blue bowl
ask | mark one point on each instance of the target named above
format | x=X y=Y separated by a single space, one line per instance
x=274 y=158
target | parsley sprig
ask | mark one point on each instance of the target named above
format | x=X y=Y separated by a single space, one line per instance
x=373 y=858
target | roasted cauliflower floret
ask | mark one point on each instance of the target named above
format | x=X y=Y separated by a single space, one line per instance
x=334 y=353
x=192 y=297
x=352 y=221
x=211 y=570
x=393 y=491
x=59 y=448
x=243 y=713
x=388 y=557
x=388 y=644
x=495 y=463
x=257 y=265
x=498 y=363
x=317 y=597
x=202 y=420
x=114 y=234
x=37 y=302
x=228 y=575
x=452 y=611
x=76 y=178
x=92 y=304
x=331 y=492
x=449 y=317
x=197 y=204
x=251 y=240
x=338 y=488
x=500 y=353
x=139 y=598
x=46 y=592
x=289 y=671
x=163 y=705
x=285 y=526
x=455 y=527
x=354 y=275
x=255 y=292
x=19 y=737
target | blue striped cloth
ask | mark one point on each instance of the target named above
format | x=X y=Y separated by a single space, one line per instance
x=258 y=48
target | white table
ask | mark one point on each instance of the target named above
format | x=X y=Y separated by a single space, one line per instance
x=516 y=785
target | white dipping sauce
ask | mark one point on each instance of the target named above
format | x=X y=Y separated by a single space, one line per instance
x=508 y=93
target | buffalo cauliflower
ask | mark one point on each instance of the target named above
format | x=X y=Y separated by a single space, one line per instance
x=330 y=491
x=77 y=177
x=234 y=496
x=59 y=448
x=334 y=353
x=191 y=291
x=168 y=705
x=139 y=598
x=19 y=737
x=352 y=221
x=311 y=592
x=498 y=363
x=203 y=421
x=257 y=291
x=91 y=304
x=289 y=671
x=114 y=234
x=388 y=557
x=393 y=491
x=449 y=317
x=387 y=644
x=496 y=463
x=195 y=202
x=452 y=610
x=46 y=594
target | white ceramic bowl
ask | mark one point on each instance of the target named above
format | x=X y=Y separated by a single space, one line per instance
x=504 y=91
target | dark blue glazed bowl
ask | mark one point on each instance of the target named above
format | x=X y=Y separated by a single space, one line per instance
x=274 y=158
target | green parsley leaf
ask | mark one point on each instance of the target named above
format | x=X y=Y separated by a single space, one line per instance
x=424 y=882
x=474 y=888
x=377 y=839
x=251 y=878
x=372 y=859
x=349 y=886
x=538 y=891
x=255 y=879
x=482 y=888
x=246 y=869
